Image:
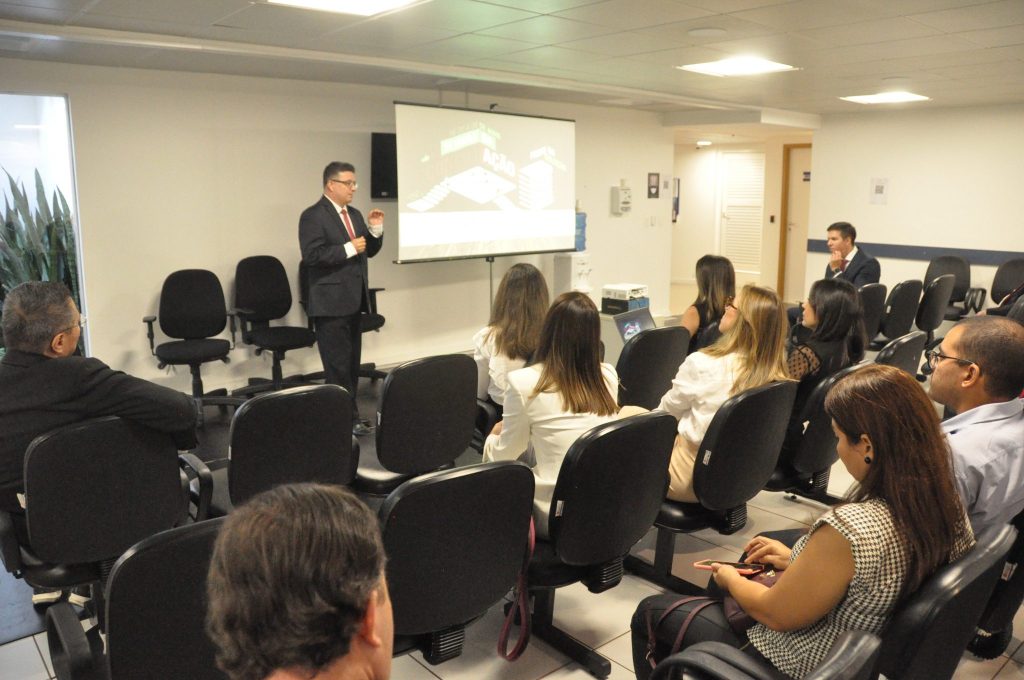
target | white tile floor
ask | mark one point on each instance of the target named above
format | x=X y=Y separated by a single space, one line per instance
x=601 y=621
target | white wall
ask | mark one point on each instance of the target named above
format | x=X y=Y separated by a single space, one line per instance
x=954 y=181
x=182 y=170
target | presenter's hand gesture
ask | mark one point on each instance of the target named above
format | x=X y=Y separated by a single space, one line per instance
x=376 y=218
x=360 y=244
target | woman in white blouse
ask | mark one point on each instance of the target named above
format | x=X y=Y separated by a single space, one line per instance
x=550 y=403
x=751 y=353
x=509 y=340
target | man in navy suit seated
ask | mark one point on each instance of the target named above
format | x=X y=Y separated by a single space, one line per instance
x=847 y=261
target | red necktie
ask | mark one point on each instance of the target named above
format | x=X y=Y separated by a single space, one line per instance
x=348 y=224
x=842 y=265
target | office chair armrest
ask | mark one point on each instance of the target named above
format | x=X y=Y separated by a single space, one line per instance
x=148 y=320
x=373 y=299
x=355 y=458
x=70 y=650
x=197 y=469
x=714 y=660
x=232 y=322
x=974 y=299
x=10 y=551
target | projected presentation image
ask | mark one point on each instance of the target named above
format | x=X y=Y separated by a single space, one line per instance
x=478 y=183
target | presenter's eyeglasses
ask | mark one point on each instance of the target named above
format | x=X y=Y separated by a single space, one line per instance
x=350 y=183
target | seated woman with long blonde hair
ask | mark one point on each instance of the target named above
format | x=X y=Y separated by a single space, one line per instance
x=751 y=353
x=550 y=403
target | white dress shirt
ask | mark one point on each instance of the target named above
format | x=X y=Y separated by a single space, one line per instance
x=350 y=248
x=492 y=368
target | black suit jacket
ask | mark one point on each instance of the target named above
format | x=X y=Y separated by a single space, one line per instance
x=337 y=283
x=862 y=270
x=39 y=394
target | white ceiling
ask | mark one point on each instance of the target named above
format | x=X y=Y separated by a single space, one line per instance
x=616 y=52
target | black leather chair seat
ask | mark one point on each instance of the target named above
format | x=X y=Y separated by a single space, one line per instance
x=548 y=570
x=187 y=351
x=281 y=338
x=56 y=575
x=370 y=322
x=954 y=313
x=685 y=517
x=372 y=478
x=785 y=477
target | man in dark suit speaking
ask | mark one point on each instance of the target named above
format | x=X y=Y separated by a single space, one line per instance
x=848 y=261
x=335 y=242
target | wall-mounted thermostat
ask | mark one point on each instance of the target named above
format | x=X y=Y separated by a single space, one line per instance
x=622 y=200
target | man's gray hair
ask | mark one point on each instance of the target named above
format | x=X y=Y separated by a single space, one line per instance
x=34 y=312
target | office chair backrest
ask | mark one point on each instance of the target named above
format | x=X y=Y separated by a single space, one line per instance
x=156 y=607
x=818 y=445
x=928 y=633
x=1017 y=310
x=455 y=541
x=261 y=286
x=932 y=309
x=741 y=446
x=302 y=434
x=904 y=352
x=610 y=488
x=97 y=487
x=648 y=363
x=1009 y=275
x=872 y=302
x=192 y=305
x=901 y=308
x=427 y=413
x=959 y=267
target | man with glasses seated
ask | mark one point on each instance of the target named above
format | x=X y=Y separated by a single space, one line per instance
x=335 y=243
x=43 y=387
x=977 y=371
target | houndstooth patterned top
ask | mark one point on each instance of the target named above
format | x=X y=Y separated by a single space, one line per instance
x=880 y=567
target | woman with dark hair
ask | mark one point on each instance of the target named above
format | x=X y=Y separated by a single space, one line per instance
x=903 y=520
x=716 y=283
x=509 y=340
x=751 y=353
x=550 y=403
x=833 y=323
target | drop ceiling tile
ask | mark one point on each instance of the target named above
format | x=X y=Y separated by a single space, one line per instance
x=547 y=30
x=620 y=44
x=895 y=49
x=995 y=37
x=188 y=12
x=55 y=5
x=788 y=48
x=729 y=6
x=1009 y=71
x=541 y=6
x=804 y=14
x=462 y=16
x=679 y=56
x=388 y=36
x=462 y=47
x=288 y=21
x=906 y=7
x=734 y=29
x=42 y=14
x=628 y=14
x=989 y=15
x=553 y=56
x=866 y=32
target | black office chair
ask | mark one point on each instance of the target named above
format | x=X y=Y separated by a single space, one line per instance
x=425 y=420
x=960 y=268
x=487 y=416
x=262 y=295
x=301 y=434
x=156 y=606
x=454 y=541
x=647 y=364
x=192 y=309
x=1017 y=311
x=927 y=634
x=872 y=302
x=904 y=352
x=1006 y=599
x=735 y=460
x=852 y=657
x=93 y=490
x=607 y=494
x=370 y=320
x=900 y=312
x=932 y=310
x=1009 y=275
x=807 y=473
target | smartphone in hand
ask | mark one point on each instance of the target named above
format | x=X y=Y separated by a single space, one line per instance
x=742 y=568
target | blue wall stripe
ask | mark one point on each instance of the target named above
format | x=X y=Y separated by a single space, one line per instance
x=926 y=253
